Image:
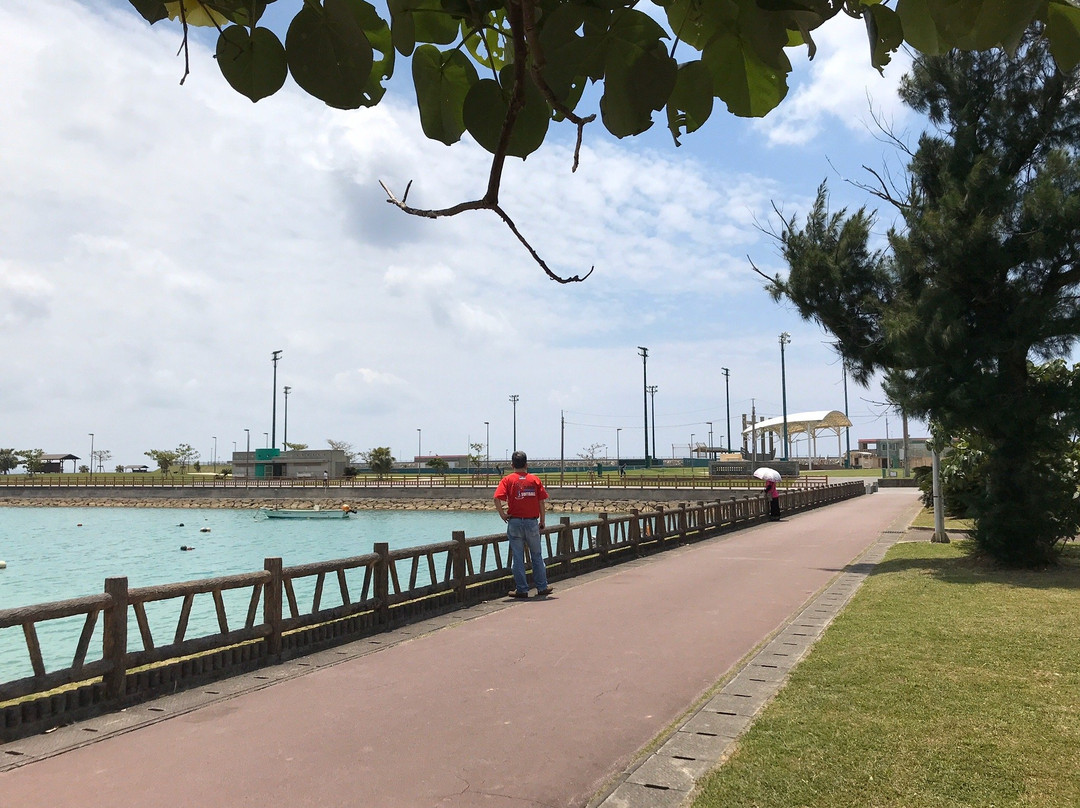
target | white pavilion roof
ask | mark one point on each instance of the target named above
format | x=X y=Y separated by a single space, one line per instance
x=799 y=422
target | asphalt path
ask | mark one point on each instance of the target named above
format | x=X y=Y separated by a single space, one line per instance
x=540 y=703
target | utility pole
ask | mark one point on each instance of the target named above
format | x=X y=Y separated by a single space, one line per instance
x=847 y=430
x=562 y=446
x=285 y=437
x=727 y=401
x=652 y=393
x=785 y=338
x=753 y=431
x=514 y=401
x=644 y=354
x=273 y=412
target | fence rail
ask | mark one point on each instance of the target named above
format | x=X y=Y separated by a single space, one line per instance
x=390 y=587
x=552 y=479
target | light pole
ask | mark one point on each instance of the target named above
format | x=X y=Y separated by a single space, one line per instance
x=691 y=445
x=652 y=393
x=266 y=439
x=285 y=437
x=419 y=437
x=273 y=412
x=710 y=435
x=644 y=354
x=727 y=399
x=514 y=401
x=247 y=459
x=618 y=456
x=785 y=338
x=91 y=452
x=487 y=443
x=213 y=457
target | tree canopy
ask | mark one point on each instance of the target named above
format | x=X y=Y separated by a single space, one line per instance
x=505 y=70
x=976 y=288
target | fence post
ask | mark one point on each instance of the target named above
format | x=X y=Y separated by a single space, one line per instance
x=661 y=526
x=682 y=523
x=114 y=637
x=635 y=531
x=272 y=605
x=460 y=569
x=603 y=538
x=382 y=583
x=566 y=544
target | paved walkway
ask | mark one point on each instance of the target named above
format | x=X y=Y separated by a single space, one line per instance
x=508 y=704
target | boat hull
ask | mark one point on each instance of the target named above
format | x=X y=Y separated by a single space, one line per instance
x=304 y=513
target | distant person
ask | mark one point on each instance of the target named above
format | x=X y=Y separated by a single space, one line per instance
x=622 y=469
x=519 y=499
x=774 y=500
x=326 y=478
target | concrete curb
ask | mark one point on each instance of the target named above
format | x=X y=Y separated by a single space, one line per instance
x=668 y=777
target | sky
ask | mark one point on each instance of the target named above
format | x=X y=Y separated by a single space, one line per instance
x=159 y=242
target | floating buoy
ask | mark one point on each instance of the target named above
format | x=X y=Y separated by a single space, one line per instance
x=185 y=547
x=79 y=525
x=180 y=525
x=204 y=530
x=3 y=565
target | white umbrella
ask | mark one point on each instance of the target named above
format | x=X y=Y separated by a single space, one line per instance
x=766 y=473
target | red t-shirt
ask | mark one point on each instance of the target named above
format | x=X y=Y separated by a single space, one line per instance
x=522 y=493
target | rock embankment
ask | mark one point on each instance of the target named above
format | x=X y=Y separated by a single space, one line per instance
x=358 y=503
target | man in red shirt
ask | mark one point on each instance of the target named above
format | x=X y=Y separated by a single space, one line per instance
x=519 y=499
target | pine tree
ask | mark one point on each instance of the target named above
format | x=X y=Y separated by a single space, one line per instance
x=978 y=285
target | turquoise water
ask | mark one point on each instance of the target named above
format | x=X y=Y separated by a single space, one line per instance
x=60 y=553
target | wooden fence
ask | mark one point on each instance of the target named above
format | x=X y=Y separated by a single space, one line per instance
x=389 y=588
x=552 y=479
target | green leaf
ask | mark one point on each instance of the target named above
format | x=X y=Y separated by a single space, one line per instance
x=886 y=34
x=1063 y=30
x=329 y=55
x=433 y=23
x=741 y=79
x=919 y=28
x=491 y=45
x=255 y=64
x=442 y=81
x=378 y=34
x=402 y=27
x=691 y=102
x=485 y=111
x=982 y=24
x=151 y=10
x=639 y=75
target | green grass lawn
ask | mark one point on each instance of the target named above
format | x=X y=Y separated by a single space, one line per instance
x=944 y=683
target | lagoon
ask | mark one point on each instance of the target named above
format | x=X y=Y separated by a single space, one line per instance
x=60 y=553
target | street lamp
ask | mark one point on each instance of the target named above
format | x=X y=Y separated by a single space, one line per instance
x=710 y=434
x=273 y=412
x=691 y=445
x=644 y=354
x=91 y=452
x=514 y=401
x=266 y=439
x=651 y=389
x=285 y=437
x=213 y=455
x=419 y=436
x=249 y=467
x=727 y=399
x=618 y=456
x=487 y=443
x=785 y=338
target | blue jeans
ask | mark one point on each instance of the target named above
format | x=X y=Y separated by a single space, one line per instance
x=519 y=531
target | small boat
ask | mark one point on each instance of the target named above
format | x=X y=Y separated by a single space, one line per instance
x=305 y=513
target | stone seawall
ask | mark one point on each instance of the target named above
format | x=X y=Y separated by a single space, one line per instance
x=562 y=501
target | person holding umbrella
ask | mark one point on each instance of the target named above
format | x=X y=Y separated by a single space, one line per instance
x=771 y=478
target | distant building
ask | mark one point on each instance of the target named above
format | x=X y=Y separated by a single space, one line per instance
x=54 y=463
x=879 y=453
x=297 y=465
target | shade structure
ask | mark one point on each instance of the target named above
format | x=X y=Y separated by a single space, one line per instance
x=810 y=423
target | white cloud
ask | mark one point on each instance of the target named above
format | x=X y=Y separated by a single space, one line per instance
x=839 y=87
x=157 y=242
